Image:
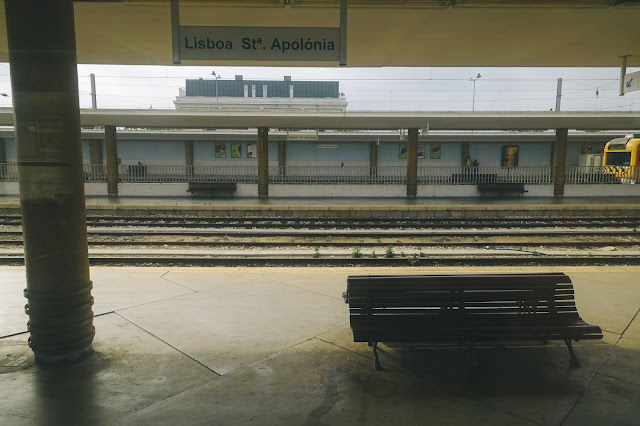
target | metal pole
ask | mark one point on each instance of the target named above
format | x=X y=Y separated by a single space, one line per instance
x=473 y=108
x=175 y=30
x=217 y=107
x=94 y=100
x=623 y=71
x=558 y=95
x=343 y=32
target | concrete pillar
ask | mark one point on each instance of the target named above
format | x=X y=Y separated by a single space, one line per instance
x=412 y=163
x=465 y=153
x=373 y=159
x=559 y=162
x=3 y=159
x=263 y=162
x=282 y=158
x=111 y=141
x=42 y=54
x=188 y=145
x=95 y=151
x=3 y=156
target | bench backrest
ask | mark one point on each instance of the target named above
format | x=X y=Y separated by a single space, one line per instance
x=476 y=299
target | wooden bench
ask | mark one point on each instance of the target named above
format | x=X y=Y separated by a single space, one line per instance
x=501 y=188
x=465 y=310
x=211 y=189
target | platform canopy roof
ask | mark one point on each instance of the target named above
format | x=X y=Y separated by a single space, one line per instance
x=171 y=119
x=439 y=33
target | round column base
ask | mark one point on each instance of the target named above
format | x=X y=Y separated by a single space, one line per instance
x=65 y=359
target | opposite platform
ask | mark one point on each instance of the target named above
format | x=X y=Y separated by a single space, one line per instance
x=355 y=207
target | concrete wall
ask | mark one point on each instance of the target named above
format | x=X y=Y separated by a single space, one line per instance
x=172 y=190
x=613 y=190
x=350 y=191
x=333 y=152
x=9 y=188
x=152 y=152
x=529 y=154
x=10 y=150
x=95 y=189
x=204 y=153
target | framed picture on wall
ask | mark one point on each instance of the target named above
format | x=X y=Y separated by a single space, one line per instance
x=252 y=150
x=509 y=156
x=402 y=154
x=221 y=150
x=236 y=150
x=435 y=151
x=420 y=152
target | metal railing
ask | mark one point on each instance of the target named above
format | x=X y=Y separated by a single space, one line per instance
x=458 y=175
x=95 y=172
x=338 y=174
x=602 y=174
x=427 y=175
x=9 y=172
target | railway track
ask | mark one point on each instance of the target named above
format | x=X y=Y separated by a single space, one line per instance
x=242 y=242
x=346 y=261
x=329 y=223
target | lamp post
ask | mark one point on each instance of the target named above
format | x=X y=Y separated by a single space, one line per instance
x=213 y=73
x=474 y=90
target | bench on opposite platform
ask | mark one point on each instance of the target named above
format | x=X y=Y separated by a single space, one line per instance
x=211 y=189
x=501 y=188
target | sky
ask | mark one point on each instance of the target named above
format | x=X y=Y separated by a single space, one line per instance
x=373 y=89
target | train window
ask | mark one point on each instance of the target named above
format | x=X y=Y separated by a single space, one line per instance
x=618 y=146
x=618 y=158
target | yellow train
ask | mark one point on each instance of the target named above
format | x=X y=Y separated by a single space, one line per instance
x=622 y=158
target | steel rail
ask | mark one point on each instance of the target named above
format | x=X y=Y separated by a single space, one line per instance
x=345 y=261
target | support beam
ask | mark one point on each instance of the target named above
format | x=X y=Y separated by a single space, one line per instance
x=623 y=72
x=412 y=163
x=282 y=158
x=44 y=80
x=558 y=95
x=111 y=141
x=95 y=151
x=373 y=158
x=3 y=159
x=188 y=146
x=559 y=162
x=263 y=162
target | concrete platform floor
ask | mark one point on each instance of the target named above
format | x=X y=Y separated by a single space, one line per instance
x=262 y=346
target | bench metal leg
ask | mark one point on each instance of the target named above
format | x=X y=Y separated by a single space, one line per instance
x=573 y=359
x=376 y=361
